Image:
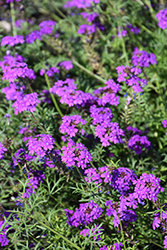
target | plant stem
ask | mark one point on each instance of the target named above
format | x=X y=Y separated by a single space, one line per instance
x=58 y=234
x=52 y=96
x=13 y=18
x=88 y=71
x=123 y=47
x=122 y=233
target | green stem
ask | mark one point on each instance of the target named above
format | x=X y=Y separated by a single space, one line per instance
x=52 y=96
x=58 y=234
x=60 y=13
x=123 y=47
x=88 y=71
x=13 y=18
x=122 y=233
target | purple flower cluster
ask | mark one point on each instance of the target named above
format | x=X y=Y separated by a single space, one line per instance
x=26 y=103
x=2 y=151
x=3 y=234
x=70 y=125
x=14 y=91
x=75 y=154
x=137 y=143
x=69 y=94
x=46 y=27
x=109 y=132
x=84 y=215
x=164 y=123
x=129 y=27
x=142 y=58
x=90 y=16
x=147 y=187
x=40 y=144
x=49 y=71
x=114 y=209
x=162 y=18
x=13 y=69
x=106 y=95
x=80 y=3
x=33 y=182
x=129 y=75
x=101 y=115
x=12 y=40
x=21 y=157
x=66 y=64
x=11 y=1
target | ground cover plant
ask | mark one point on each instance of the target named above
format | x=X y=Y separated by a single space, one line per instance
x=83 y=145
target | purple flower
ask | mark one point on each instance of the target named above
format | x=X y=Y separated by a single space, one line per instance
x=165 y=242
x=133 y=29
x=129 y=75
x=160 y=218
x=109 y=132
x=14 y=91
x=33 y=182
x=40 y=144
x=66 y=64
x=69 y=94
x=100 y=115
x=122 y=33
x=50 y=71
x=70 y=125
x=75 y=154
x=106 y=95
x=3 y=234
x=46 y=27
x=26 y=103
x=13 y=69
x=80 y=3
x=142 y=58
x=85 y=28
x=164 y=123
x=2 y=151
x=11 y=1
x=90 y=16
x=92 y=176
x=147 y=187
x=162 y=18
x=137 y=143
x=31 y=37
x=12 y=40
x=84 y=215
x=45 y=96
x=122 y=179
x=21 y=157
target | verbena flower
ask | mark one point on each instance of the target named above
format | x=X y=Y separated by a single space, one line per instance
x=2 y=151
x=14 y=91
x=137 y=143
x=133 y=29
x=26 y=103
x=129 y=75
x=75 y=154
x=86 y=28
x=90 y=16
x=122 y=179
x=100 y=115
x=11 y=1
x=49 y=71
x=13 y=69
x=12 y=40
x=66 y=64
x=106 y=95
x=147 y=187
x=92 y=176
x=80 y=3
x=3 y=234
x=68 y=93
x=142 y=58
x=162 y=18
x=84 y=215
x=33 y=182
x=108 y=133
x=71 y=125
x=34 y=35
x=164 y=123
x=46 y=27
x=40 y=144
